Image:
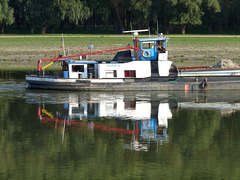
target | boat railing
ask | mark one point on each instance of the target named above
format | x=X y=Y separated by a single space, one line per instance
x=72 y=52
x=193 y=68
x=47 y=74
x=68 y=57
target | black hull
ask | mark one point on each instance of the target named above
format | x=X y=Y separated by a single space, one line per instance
x=147 y=84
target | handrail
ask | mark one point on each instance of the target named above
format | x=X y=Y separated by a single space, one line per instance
x=79 y=55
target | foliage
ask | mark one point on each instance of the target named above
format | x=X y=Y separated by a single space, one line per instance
x=6 y=14
x=212 y=16
x=140 y=11
x=183 y=11
x=187 y=12
x=42 y=13
x=73 y=10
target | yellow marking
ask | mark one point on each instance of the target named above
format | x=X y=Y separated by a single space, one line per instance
x=47 y=113
x=47 y=65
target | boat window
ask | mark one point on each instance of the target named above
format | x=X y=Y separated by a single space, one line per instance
x=78 y=110
x=109 y=73
x=115 y=106
x=130 y=105
x=64 y=66
x=139 y=44
x=78 y=68
x=130 y=73
x=114 y=73
x=160 y=46
x=148 y=45
x=91 y=109
x=160 y=43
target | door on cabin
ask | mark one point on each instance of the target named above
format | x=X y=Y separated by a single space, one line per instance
x=91 y=71
x=130 y=73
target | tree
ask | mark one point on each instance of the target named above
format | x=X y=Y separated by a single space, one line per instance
x=19 y=14
x=186 y=12
x=161 y=12
x=118 y=10
x=6 y=14
x=135 y=11
x=41 y=13
x=73 y=10
x=211 y=7
x=140 y=11
x=190 y=12
x=100 y=12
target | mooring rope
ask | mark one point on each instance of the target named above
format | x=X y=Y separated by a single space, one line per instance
x=178 y=77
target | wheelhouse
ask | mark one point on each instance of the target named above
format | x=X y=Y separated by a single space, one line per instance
x=152 y=48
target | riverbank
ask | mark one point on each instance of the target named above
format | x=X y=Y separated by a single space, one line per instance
x=23 y=52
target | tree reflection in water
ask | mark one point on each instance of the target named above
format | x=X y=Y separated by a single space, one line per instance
x=122 y=135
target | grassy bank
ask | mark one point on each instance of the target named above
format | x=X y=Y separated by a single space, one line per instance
x=22 y=52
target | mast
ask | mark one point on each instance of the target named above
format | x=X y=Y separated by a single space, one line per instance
x=135 y=35
x=62 y=46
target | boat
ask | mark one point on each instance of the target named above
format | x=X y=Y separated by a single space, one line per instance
x=143 y=66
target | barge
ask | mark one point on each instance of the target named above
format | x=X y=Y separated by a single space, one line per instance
x=143 y=66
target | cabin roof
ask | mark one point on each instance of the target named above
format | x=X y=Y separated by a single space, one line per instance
x=83 y=62
x=154 y=39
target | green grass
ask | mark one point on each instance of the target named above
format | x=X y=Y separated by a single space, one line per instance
x=24 y=51
x=52 y=42
x=36 y=43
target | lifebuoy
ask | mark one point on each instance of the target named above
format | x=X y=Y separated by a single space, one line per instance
x=146 y=123
x=148 y=54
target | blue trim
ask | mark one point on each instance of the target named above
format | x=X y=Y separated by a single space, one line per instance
x=153 y=54
x=82 y=63
x=77 y=116
x=154 y=39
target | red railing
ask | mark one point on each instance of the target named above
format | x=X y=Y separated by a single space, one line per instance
x=85 y=54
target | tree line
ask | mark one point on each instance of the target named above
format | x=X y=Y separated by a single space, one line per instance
x=217 y=16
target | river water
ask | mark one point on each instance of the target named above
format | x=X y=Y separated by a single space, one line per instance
x=117 y=135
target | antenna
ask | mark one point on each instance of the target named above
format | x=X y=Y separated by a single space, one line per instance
x=158 y=34
x=135 y=32
x=149 y=32
x=131 y=28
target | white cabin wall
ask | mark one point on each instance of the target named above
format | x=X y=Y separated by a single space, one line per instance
x=76 y=74
x=142 y=68
x=163 y=56
x=164 y=113
x=142 y=110
x=85 y=74
x=163 y=67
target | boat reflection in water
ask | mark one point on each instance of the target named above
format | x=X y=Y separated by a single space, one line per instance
x=142 y=120
x=141 y=117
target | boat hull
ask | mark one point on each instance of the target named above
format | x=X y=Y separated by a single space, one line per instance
x=131 y=84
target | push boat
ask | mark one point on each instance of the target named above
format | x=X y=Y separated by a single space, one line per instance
x=143 y=66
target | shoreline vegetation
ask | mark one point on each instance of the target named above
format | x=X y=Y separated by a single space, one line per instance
x=21 y=52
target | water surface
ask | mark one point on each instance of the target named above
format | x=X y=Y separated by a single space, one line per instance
x=117 y=135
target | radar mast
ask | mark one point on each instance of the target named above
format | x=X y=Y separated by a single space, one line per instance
x=135 y=34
